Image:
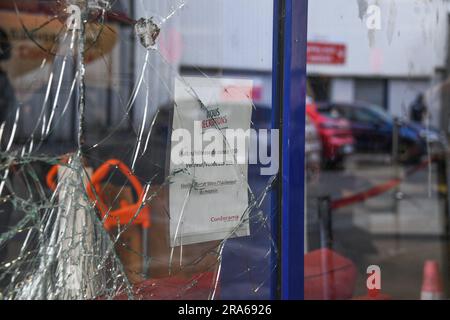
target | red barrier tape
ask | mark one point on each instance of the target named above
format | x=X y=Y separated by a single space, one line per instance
x=375 y=191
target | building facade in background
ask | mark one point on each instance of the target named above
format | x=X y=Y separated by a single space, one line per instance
x=382 y=57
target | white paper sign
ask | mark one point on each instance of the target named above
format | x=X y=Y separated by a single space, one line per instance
x=208 y=201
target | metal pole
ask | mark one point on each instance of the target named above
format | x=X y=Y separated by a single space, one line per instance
x=395 y=142
x=396 y=164
x=289 y=98
x=326 y=222
x=145 y=252
x=131 y=61
x=443 y=187
x=444 y=195
x=326 y=242
x=81 y=82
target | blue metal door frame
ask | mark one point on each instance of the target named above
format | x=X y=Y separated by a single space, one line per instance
x=289 y=90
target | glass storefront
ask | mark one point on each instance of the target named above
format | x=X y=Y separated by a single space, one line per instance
x=136 y=150
x=198 y=149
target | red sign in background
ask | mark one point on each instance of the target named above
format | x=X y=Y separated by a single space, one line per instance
x=326 y=53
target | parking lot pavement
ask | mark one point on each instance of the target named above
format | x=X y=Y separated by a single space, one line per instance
x=397 y=230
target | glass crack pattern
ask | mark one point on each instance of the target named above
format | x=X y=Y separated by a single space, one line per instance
x=71 y=172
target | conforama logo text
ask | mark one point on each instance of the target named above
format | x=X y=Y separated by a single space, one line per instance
x=225 y=219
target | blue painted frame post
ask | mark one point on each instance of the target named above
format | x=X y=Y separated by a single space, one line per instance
x=289 y=70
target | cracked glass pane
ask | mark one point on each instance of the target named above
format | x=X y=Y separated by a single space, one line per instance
x=137 y=156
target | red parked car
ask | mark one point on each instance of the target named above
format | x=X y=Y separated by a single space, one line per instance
x=335 y=133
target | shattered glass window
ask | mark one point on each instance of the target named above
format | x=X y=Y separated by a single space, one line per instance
x=137 y=160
